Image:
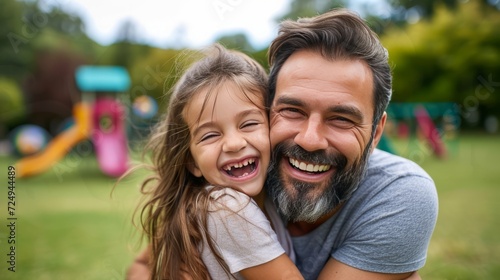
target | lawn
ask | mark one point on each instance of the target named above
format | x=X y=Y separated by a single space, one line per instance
x=70 y=227
x=466 y=242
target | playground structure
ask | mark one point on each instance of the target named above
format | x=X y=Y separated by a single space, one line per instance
x=99 y=116
x=434 y=123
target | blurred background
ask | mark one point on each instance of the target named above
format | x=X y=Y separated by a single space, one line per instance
x=83 y=81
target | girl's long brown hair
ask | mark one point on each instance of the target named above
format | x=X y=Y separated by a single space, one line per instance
x=174 y=215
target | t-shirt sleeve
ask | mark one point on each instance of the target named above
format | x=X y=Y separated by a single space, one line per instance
x=392 y=232
x=242 y=233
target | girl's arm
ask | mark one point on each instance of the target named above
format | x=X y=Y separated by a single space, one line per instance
x=279 y=268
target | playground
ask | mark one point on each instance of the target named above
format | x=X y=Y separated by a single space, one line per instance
x=72 y=223
x=99 y=117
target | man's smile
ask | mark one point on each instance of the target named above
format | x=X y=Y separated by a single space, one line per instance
x=307 y=172
x=309 y=167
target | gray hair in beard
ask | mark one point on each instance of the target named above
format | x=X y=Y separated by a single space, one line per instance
x=301 y=206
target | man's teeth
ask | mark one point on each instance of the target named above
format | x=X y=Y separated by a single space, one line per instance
x=239 y=164
x=309 y=167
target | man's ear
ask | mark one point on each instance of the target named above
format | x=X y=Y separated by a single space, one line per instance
x=193 y=168
x=379 y=130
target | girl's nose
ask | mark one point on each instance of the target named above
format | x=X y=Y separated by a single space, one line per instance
x=234 y=143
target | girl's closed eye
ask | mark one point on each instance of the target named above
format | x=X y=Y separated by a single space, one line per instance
x=250 y=124
x=208 y=136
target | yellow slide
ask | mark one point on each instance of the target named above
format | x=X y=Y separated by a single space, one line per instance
x=59 y=146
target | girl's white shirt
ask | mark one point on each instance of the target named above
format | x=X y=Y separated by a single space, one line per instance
x=242 y=234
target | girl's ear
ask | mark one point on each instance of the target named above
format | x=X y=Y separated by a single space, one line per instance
x=193 y=167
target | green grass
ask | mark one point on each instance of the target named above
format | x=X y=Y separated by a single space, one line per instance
x=69 y=227
x=466 y=241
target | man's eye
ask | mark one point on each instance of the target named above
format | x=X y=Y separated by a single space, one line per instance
x=291 y=113
x=342 y=122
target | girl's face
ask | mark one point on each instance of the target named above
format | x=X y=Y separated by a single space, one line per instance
x=229 y=139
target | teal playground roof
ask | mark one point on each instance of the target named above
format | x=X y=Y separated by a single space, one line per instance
x=102 y=79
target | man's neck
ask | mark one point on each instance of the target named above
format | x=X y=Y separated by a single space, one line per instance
x=302 y=228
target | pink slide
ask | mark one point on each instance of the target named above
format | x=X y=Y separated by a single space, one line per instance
x=109 y=136
x=430 y=132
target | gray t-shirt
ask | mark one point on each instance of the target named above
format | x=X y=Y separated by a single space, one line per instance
x=384 y=227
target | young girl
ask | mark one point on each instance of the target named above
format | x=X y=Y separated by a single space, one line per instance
x=210 y=155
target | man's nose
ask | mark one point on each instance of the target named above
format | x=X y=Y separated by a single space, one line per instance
x=311 y=136
x=233 y=142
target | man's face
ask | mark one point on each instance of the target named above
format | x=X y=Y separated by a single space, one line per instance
x=321 y=129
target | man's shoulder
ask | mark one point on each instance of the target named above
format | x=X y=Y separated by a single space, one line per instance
x=382 y=163
x=391 y=174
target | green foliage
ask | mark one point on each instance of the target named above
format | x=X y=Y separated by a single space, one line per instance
x=452 y=57
x=123 y=53
x=25 y=29
x=11 y=101
x=12 y=60
x=426 y=8
x=156 y=73
x=237 y=41
x=260 y=57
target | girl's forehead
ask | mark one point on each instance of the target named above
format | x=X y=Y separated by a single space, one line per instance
x=221 y=97
x=237 y=91
x=227 y=101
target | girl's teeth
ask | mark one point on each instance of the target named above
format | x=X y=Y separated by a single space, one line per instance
x=239 y=165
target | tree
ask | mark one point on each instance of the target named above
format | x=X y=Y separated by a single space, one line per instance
x=453 y=57
x=237 y=41
x=413 y=10
x=156 y=73
x=13 y=59
x=11 y=103
x=127 y=32
x=50 y=89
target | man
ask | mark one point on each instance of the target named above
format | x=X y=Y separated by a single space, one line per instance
x=353 y=212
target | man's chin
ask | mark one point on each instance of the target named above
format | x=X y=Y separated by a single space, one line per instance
x=300 y=201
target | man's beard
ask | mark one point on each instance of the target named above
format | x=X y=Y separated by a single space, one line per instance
x=306 y=202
